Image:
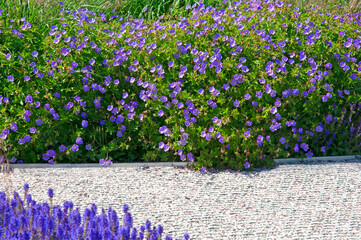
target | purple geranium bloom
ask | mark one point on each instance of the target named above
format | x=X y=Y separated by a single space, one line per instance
x=29 y=99
x=208 y=137
x=88 y=147
x=273 y=110
x=27 y=138
x=247 y=96
x=119 y=133
x=236 y=103
x=79 y=140
x=190 y=156
x=84 y=123
x=247 y=165
x=247 y=134
x=35 y=54
x=39 y=122
x=319 y=129
x=11 y=78
x=75 y=148
x=33 y=130
x=14 y=127
x=245 y=69
x=62 y=148
x=309 y=154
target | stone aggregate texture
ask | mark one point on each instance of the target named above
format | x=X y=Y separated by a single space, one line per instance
x=316 y=200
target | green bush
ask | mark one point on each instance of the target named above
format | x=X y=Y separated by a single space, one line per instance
x=306 y=66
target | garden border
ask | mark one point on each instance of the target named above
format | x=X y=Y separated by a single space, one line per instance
x=180 y=164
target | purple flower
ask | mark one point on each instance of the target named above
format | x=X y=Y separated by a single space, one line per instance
x=11 y=78
x=62 y=148
x=29 y=99
x=190 y=156
x=119 y=133
x=27 y=138
x=50 y=192
x=247 y=134
x=39 y=122
x=79 y=140
x=14 y=127
x=75 y=148
x=208 y=137
x=309 y=154
x=247 y=165
x=26 y=187
x=304 y=146
x=296 y=148
x=236 y=103
x=88 y=147
x=35 y=54
x=273 y=110
x=33 y=130
x=319 y=129
x=245 y=69
x=84 y=123
x=259 y=140
x=259 y=94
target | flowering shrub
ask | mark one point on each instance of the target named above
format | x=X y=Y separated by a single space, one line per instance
x=26 y=219
x=223 y=88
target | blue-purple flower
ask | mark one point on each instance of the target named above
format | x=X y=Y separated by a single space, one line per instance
x=75 y=148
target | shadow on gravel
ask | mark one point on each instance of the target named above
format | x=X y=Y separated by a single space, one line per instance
x=255 y=172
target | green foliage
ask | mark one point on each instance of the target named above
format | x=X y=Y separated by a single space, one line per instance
x=140 y=132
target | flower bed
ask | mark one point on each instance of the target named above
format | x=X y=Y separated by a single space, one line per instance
x=26 y=219
x=223 y=88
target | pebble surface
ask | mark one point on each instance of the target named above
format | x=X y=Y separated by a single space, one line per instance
x=305 y=201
